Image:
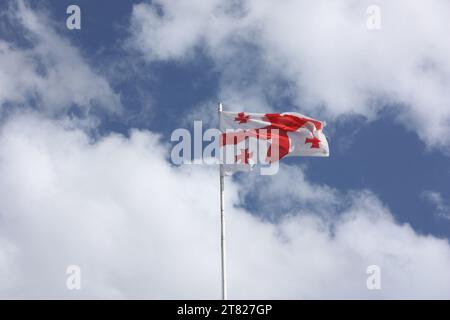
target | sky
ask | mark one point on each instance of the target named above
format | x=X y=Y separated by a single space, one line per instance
x=86 y=177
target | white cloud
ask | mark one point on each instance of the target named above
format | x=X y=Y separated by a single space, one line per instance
x=51 y=72
x=139 y=227
x=437 y=200
x=322 y=49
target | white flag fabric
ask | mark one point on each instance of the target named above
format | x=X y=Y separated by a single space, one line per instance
x=255 y=138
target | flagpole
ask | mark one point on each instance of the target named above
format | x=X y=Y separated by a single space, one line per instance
x=222 y=224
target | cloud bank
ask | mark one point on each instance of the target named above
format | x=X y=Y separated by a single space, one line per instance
x=141 y=228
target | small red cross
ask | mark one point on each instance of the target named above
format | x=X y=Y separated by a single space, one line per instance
x=244 y=156
x=314 y=142
x=241 y=117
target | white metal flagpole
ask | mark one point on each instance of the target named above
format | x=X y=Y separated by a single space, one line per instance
x=222 y=225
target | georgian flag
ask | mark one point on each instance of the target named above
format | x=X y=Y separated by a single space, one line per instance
x=255 y=138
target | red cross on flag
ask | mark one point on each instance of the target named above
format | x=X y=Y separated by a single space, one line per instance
x=251 y=138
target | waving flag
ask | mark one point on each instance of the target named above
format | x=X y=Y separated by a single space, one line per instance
x=276 y=135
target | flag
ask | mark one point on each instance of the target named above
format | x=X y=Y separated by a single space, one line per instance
x=248 y=139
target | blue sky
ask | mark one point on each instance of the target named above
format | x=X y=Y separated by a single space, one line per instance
x=379 y=140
